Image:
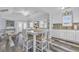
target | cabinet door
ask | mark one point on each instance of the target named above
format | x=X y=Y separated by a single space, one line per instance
x=31 y=25
x=19 y=26
x=24 y=25
x=77 y=35
x=41 y=24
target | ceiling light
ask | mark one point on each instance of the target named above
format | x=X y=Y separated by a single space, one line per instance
x=63 y=8
x=25 y=13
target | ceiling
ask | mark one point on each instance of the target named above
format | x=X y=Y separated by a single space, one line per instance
x=34 y=12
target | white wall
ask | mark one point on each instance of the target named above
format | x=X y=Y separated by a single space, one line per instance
x=2 y=25
x=56 y=15
x=75 y=11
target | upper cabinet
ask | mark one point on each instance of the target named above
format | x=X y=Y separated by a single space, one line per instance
x=75 y=11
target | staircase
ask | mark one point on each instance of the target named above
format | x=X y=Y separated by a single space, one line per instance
x=61 y=45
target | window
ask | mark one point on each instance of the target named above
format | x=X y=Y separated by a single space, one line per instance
x=57 y=26
x=9 y=23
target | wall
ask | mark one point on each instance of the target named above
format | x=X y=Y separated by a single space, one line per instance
x=2 y=25
x=57 y=15
x=65 y=34
x=75 y=11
